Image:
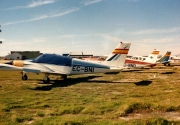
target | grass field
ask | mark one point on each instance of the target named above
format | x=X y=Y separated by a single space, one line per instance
x=142 y=97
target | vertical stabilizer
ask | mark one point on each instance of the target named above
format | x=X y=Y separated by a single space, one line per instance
x=152 y=58
x=165 y=58
x=118 y=55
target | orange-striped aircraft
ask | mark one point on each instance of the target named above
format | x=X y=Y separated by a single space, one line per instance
x=149 y=61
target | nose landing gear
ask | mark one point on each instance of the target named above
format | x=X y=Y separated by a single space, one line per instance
x=24 y=76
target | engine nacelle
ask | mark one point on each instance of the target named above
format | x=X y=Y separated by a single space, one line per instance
x=18 y=63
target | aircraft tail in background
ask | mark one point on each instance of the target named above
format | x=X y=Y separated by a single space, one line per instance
x=149 y=61
x=152 y=58
x=165 y=59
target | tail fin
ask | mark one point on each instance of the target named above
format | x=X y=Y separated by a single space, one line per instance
x=165 y=58
x=152 y=58
x=118 y=56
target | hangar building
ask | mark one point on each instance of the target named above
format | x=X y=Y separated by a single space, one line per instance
x=26 y=54
x=13 y=56
x=78 y=54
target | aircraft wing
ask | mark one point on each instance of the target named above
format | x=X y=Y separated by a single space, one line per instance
x=32 y=70
x=44 y=71
x=9 y=67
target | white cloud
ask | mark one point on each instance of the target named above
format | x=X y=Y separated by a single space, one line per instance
x=43 y=17
x=75 y=35
x=40 y=3
x=158 y=41
x=33 y=4
x=39 y=40
x=14 y=44
x=157 y=31
x=64 y=13
x=111 y=38
x=145 y=46
x=1 y=39
x=89 y=2
x=134 y=0
x=83 y=35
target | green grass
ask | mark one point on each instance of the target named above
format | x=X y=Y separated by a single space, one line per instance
x=100 y=99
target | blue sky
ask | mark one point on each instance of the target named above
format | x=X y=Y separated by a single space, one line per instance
x=97 y=26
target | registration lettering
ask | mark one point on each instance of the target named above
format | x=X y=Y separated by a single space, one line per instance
x=131 y=65
x=83 y=68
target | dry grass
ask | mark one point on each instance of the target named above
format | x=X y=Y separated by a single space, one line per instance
x=142 y=97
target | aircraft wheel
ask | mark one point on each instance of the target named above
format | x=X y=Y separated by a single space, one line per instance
x=64 y=77
x=164 y=64
x=24 y=77
x=169 y=64
x=47 y=80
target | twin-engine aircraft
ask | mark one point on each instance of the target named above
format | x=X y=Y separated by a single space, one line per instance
x=53 y=64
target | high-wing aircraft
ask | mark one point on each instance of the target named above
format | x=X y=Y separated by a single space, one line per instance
x=53 y=64
x=165 y=59
x=149 y=61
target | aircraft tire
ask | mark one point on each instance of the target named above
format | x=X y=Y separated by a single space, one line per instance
x=64 y=77
x=169 y=64
x=24 y=77
x=46 y=81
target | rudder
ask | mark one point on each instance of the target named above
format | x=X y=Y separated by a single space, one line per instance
x=152 y=58
x=118 y=55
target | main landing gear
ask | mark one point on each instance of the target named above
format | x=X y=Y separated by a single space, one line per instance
x=46 y=79
x=167 y=63
x=24 y=76
x=64 y=77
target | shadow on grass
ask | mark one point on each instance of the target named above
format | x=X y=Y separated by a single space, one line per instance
x=133 y=70
x=69 y=82
x=87 y=79
x=65 y=83
x=167 y=72
x=143 y=83
x=111 y=73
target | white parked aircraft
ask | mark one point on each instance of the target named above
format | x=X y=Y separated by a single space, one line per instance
x=135 y=61
x=148 y=61
x=141 y=58
x=53 y=64
x=175 y=59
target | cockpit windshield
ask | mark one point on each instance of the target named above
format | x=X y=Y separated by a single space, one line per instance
x=54 y=59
